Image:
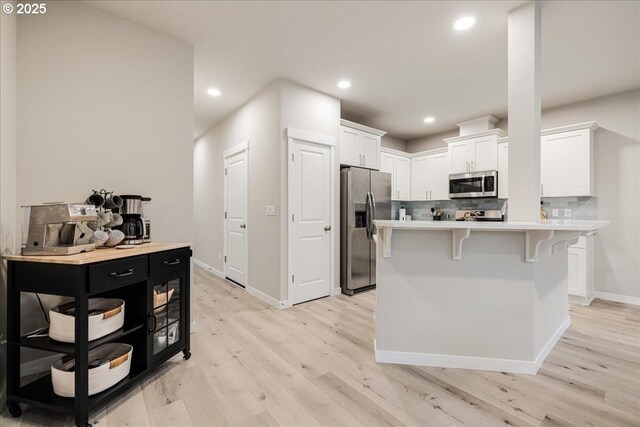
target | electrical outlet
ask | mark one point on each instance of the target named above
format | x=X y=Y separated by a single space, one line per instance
x=271 y=210
x=555 y=213
x=567 y=213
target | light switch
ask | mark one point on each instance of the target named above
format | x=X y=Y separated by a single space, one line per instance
x=567 y=213
x=271 y=210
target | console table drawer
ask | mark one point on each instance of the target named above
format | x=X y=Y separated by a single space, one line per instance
x=169 y=262
x=114 y=274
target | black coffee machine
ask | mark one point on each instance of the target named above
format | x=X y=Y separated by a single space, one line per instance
x=132 y=222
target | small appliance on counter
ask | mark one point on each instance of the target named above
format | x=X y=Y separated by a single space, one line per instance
x=53 y=229
x=437 y=214
x=133 y=225
x=475 y=215
x=473 y=184
x=402 y=214
x=146 y=217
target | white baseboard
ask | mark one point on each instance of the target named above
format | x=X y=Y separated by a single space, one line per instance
x=575 y=299
x=470 y=362
x=208 y=268
x=617 y=298
x=267 y=298
x=336 y=291
x=192 y=327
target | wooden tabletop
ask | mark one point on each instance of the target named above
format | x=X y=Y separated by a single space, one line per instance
x=99 y=255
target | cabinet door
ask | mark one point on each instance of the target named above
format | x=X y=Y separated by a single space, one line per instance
x=349 y=154
x=403 y=178
x=167 y=326
x=419 y=171
x=566 y=164
x=484 y=153
x=459 y=156
x=370 y=149
x=438 y=176
x=388 y=164
x=503 y=170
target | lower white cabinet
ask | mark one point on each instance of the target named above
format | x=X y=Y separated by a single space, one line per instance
x=580 y=275
x=399 y=166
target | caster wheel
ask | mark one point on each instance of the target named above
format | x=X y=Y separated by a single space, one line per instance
x=187 y=355
x=14 y=409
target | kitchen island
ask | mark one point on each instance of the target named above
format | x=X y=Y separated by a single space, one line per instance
x=475 y=295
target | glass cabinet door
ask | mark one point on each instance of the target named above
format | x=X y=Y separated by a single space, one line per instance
x=166 y=297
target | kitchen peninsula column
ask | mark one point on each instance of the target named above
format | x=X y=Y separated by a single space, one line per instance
x=524 y=36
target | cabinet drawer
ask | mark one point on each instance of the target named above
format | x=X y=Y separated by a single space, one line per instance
x=113 y=274
x=169 y=262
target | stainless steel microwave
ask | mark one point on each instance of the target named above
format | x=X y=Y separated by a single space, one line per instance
x=473 y=184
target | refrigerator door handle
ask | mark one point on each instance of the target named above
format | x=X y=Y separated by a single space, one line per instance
x=367 y=208
x=373 y=214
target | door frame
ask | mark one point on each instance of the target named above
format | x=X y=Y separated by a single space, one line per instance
x=229 y=152
x=318 y=139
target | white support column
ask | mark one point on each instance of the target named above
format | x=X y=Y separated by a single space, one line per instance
x=524 y=36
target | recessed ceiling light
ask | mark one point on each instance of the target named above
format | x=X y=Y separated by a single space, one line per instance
x=214 y=92
x=429 y=119
x=344 y=84
x=464 y=23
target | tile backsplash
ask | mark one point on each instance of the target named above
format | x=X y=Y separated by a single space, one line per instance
x=581 y=207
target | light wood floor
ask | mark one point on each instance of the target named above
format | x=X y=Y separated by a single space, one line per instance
x=313 y=364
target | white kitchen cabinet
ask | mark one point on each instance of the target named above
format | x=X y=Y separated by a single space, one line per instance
x=419 y=178
x=360 y=145
x=503 y=168
x=580 y=273
x=430 y=175
x=566 y=161
x=399 y=166
x=474 y=153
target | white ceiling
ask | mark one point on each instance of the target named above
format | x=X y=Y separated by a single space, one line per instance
x=403 y=58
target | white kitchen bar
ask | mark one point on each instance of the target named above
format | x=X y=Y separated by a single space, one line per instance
x=475 y=295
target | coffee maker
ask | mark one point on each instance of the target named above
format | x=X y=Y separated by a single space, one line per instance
x=133 y=225
x=53 y=229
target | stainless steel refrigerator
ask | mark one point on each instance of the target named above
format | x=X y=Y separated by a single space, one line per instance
x=365 y=195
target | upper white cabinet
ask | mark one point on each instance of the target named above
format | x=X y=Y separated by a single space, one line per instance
x=474 y=152
x=360 y=145
x=430 y=175
x=399 y=166
x=566 y=161
x=503 y=168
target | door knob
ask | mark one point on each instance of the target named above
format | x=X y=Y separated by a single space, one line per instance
x=243 y=225
x=327 y=228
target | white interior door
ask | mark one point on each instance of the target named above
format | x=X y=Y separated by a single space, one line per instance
x=236 y=217
x=311 y=228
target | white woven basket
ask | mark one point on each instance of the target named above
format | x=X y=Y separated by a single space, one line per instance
x=101 y=377
x=63 y=327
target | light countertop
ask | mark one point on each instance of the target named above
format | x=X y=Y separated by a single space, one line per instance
x=99 y=255
x=559 y=225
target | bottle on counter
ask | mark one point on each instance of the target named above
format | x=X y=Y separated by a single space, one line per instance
x=402 y=214
x=543 y=213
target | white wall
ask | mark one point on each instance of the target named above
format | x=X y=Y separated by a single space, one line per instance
x=8 y=135
x=257 y=121
x=617 y=181
x=262 y=121
x=430 y=142
x=392 y=142
x=103 y=103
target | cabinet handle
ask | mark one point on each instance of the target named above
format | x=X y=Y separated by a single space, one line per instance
x=364 y=159
x=430 y=195
x=467 y=166
x=129 y=272
x=174 y=262
x=473 y=165
x=542 y=189
x=155 y=323
x=243 y=225
x=327 y=228
x=398 y=192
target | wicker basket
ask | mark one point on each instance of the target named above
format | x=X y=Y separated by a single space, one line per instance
x=109 y=318
x=101 y=377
